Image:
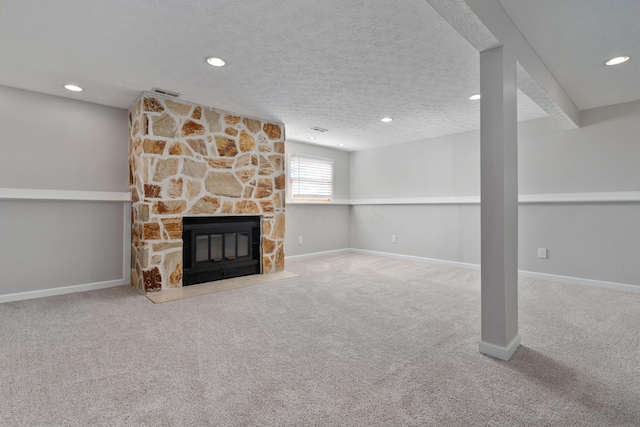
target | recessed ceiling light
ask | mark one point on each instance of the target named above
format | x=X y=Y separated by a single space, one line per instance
x=617 y=60
x=73 y=88
x=341 y=144
x=475 y=97
x=386 y=119
x=216 y=62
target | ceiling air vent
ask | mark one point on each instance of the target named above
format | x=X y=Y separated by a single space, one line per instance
x=165 y=92
x=320 y=129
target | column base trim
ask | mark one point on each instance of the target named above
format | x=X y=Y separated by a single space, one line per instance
x=502 y=353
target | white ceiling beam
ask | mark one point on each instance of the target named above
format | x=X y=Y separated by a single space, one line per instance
x=485 y=24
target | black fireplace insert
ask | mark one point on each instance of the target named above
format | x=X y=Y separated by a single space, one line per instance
x=217 y=248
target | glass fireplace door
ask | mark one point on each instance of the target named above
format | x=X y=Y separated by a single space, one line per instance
x=220 y=248
x=216 y=247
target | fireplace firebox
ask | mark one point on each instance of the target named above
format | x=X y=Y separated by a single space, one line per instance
x=220 y=247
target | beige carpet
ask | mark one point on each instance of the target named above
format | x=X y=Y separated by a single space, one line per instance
x=355 y=340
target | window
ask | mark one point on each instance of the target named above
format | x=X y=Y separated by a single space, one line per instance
x=310 y=178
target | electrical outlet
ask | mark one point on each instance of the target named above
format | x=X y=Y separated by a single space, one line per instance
x=299 y=240
x=542 y=253
x=394 y=239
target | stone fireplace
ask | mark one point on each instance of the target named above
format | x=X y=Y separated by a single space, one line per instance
x=188 y=160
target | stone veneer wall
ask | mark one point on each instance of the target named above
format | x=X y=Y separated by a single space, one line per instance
x=191 y=160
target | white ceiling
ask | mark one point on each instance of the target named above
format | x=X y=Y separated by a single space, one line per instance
x=575 y=37
x=339 y=65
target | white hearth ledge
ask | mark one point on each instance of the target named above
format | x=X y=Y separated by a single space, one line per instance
x=71 y=195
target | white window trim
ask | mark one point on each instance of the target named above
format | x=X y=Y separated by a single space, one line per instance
x=290 y=198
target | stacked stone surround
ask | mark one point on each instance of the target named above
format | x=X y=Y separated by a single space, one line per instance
x=192 y=160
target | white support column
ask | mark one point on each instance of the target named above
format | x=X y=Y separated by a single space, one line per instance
x=499 y=203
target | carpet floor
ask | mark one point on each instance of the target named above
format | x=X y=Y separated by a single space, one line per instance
x=355 y=340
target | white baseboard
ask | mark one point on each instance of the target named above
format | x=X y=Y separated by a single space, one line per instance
x=580 y=281
x=318 y=254
x=499 y=352
x=19 y=296
x=533 y=275
x=418 y=259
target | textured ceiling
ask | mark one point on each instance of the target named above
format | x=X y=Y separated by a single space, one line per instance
x=332 y=64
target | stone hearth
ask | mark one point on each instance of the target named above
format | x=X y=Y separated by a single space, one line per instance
x=191 y=160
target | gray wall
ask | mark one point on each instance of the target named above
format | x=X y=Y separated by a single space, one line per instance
x=323 y=226
x=51 y=244
x=60 y=144
x=440 y=232
x=51 y=142
x=447 y=166
x=602 y=155
x=57 y=143
x=443 y=166
x=598 y=241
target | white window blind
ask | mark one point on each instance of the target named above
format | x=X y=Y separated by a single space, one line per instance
x=310 y=178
